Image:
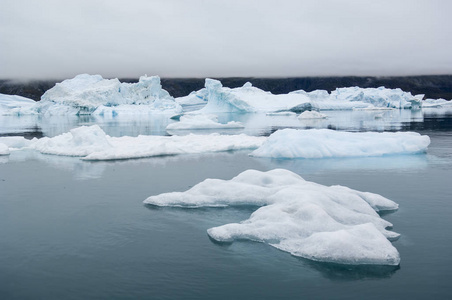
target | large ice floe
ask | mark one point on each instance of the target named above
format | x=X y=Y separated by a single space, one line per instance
x=91 y=143
x=92 y=94
x=324 y=143
x=199 y=121
x=355 y=97
x=329 y=224
x=15 y=105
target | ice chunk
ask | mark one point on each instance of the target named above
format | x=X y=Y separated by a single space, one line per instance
x=190 y=122
x=321 y=143
x=16 y=142
x=15 y=105
x=311 y=115
x=92 y=143
x=332 y=224
x=84 y=94
x=379 y=97
x=194 y=98
x=79 y=141
x=247 y=99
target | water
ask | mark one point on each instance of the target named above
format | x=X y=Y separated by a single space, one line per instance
x=71 y=229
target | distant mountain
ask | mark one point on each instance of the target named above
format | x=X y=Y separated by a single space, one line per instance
x=436 y=86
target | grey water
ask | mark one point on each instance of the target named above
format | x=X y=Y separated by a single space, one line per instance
x=71 y=229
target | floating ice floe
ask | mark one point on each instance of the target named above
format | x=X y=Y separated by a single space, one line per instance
x=436 y=103
x=92 y=94
x=15 y=105
x=330 y=224
x=91 y=143
x=355 y=97
x=198 y=121
x=323 y=143
x=311 y=114
x=248 y=99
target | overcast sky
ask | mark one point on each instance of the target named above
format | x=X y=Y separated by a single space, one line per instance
x=222 y=38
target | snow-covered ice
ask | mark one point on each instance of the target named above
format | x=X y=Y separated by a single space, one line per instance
x=331 y=224
x=85 y=94
x=91 y=143
x=324 y=143
x=197 y=121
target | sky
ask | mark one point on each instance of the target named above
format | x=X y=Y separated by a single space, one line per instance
x=51 y=39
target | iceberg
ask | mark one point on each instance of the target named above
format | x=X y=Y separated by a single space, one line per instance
x=436 y=103
x=330 y=224
x=191 y=122
x=247 y=99
x=15 y=105
x=91 y=143
x=324 y=143
x=355 y=97
x=92 y=94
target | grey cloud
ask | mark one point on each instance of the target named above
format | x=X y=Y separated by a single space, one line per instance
x=59 y=39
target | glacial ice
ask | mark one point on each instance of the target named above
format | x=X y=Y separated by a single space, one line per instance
x=247 y=99
x=331 y=224
x=91 y=143
x=194 y=98
x=323 y=143
x=198 y=121
x=92 y=94
x=355 y=97
x=15 y=105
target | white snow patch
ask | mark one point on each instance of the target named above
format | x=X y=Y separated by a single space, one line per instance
x=323 y=143
x=331 y=224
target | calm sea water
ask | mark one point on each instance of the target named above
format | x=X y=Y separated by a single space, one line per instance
x=71 y=229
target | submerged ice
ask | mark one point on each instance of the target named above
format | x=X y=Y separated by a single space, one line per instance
x=330 y=224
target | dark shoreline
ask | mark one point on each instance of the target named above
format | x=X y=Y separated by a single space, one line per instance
x=433 y=86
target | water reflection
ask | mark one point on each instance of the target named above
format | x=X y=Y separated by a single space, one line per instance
x=338 y=272
x=308 y=166
x=255 y=123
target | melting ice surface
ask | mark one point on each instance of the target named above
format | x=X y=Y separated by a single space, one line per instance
x=321 y=143
x=330 y=224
